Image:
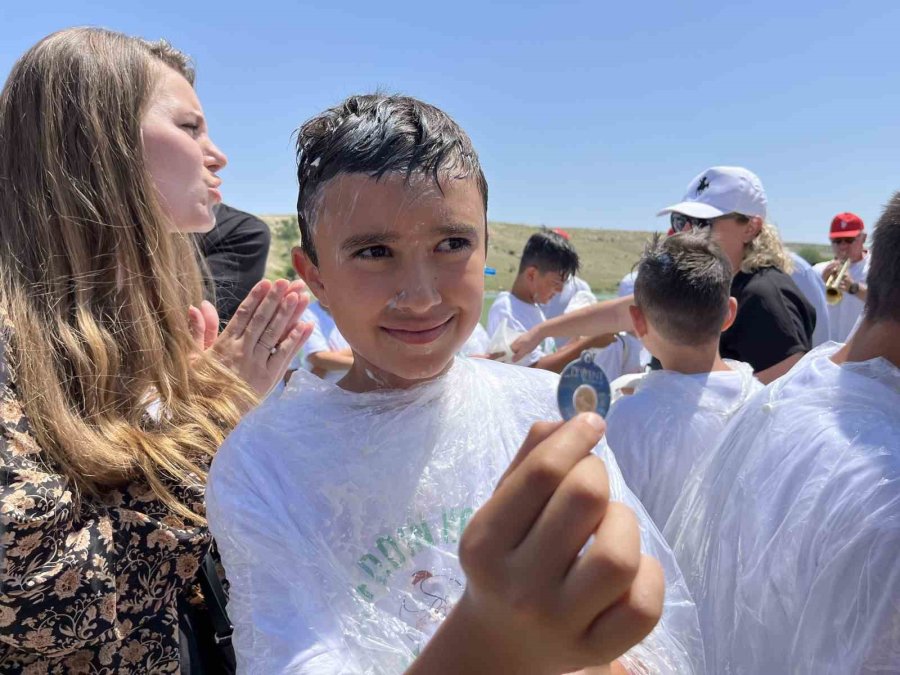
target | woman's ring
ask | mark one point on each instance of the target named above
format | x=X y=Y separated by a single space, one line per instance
x=271 y=349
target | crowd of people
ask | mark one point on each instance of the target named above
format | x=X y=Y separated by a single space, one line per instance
x=202 y=472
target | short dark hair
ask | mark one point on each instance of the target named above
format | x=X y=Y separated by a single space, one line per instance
x=883 y=280
x=374 y=135
x=550 y=252
x=683 y=285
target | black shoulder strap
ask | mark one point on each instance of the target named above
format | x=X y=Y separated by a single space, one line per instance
x=215 y=600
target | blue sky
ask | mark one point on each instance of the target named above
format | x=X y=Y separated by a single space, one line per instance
x=585 y=114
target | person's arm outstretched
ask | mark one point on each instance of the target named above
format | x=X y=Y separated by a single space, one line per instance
x=603 y=318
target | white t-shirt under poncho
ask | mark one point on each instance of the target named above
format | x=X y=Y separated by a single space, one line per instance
x=670 y=421
x=789 y=531
x=338 y=517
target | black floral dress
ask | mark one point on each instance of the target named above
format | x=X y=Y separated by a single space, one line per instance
x=92 y=588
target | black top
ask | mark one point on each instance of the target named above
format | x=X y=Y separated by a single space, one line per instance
x=235 y=250
x=774 y=320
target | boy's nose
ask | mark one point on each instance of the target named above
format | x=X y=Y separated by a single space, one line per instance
x=419 y=292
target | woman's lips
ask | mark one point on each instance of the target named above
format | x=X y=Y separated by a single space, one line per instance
x=216 y=195
x=418 y=337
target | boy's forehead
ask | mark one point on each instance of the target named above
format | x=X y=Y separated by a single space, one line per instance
x=352 y=201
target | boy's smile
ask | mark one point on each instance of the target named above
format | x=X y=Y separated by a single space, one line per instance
x=401 y=265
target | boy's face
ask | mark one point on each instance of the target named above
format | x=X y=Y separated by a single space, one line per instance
x=545 y=285
x=401 y=268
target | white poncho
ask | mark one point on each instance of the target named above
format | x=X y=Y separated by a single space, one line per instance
x=668 y=423
x=338 y=517
x=789 y=532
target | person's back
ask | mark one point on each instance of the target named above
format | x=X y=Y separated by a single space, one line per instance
x=681 y=306
x=788 y=532
x=670 y=421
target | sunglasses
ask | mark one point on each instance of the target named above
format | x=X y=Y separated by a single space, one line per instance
x=843 y=240
x=680 y=222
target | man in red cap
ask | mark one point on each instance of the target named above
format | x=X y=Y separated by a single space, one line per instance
x=848 y=238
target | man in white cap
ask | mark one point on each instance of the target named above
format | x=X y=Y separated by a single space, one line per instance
x=774 y=323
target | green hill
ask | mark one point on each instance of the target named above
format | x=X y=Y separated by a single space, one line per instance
x=606 y=255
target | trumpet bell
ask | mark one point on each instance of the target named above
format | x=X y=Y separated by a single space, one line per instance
x=833 y=292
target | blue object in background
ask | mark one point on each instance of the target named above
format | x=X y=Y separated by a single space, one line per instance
x=490 y=271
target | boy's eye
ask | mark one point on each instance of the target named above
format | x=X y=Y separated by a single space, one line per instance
x=371 y=252
x=454 y=244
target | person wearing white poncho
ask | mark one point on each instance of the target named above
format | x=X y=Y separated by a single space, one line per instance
x=789 y=532
x=339 y=509
x=364 y=497
x=670 y=421
x=682 y=305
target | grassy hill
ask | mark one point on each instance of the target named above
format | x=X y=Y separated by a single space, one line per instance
x=606 y=255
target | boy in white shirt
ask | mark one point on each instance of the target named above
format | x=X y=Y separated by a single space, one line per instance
x=789 y=531
x=682 y=304
x=548 y=261
x=346 y=515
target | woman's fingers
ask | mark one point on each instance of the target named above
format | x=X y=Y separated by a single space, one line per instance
x=280 y=361
x=279 y=327
x=195 y=323
x=246 y=310
x=211 y=323
x=257 y=327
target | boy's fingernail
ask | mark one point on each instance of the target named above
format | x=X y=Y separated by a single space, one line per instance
x=593 y=419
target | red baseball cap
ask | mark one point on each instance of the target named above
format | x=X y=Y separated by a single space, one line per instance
x=846 y=225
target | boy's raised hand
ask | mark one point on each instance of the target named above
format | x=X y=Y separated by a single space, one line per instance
x=532 y=604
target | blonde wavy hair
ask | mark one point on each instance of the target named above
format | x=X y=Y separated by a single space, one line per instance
x=94 y=285
x=766 y=250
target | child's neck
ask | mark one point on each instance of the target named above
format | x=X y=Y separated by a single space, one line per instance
x=521 y=291
x=693 y=359
x=870 y=341
x=364 y=377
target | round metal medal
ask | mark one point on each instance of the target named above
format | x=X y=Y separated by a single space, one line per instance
x=583 y=387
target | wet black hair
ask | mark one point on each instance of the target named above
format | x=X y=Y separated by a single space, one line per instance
x=683 y=285
x=550 y=252
x=374 y=135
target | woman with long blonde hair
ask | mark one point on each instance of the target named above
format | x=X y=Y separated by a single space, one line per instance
x=115 y=390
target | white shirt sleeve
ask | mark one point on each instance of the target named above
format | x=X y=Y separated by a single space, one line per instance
x=503 y=310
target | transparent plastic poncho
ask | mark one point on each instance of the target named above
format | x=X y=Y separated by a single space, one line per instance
x=671 y=420
x=338 y=516
x=789 y=532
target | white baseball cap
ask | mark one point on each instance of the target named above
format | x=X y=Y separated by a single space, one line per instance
x=721 y=190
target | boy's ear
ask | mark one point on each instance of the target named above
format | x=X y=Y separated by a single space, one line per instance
x=309 y=273
x=639 y=320
x=732 y=312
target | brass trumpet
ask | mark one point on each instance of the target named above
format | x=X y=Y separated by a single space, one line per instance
x=833 y=293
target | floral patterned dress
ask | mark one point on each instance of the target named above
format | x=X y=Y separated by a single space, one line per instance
x=92 y=588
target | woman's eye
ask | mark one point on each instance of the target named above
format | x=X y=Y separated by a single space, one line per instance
x=192 y=127
x=373 y=252
x=454 y=244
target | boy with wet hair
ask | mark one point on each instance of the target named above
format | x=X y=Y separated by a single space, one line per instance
x=358 y=522
x=682 y=305
x=548 y=261
x=788 y=531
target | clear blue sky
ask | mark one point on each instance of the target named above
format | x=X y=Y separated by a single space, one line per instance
x=588 y=114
